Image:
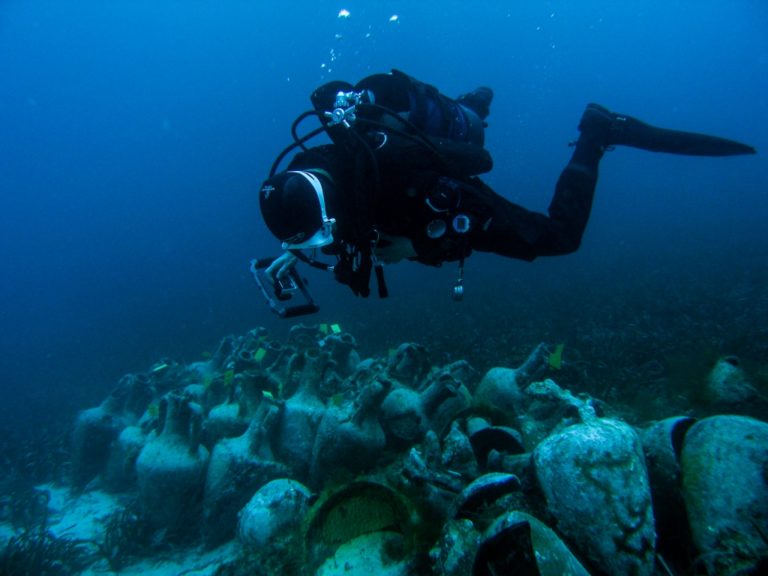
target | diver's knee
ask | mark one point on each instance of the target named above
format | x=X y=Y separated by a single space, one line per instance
x=569 y=245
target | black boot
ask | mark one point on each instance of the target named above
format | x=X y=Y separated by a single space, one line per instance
x=604 y=128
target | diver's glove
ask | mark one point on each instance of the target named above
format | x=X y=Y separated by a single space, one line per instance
x=281 y=266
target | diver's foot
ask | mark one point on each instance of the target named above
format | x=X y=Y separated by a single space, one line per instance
x=602 y=128
x=597 y=125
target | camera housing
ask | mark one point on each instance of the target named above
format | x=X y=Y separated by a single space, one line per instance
x=282 y=290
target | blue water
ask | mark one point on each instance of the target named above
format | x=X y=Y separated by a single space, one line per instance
x=134 y=136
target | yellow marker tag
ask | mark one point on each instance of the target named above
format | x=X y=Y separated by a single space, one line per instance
x=267 y=394
x=159 y=367
x=229 y=375
x=323 y=328
x=259 y=355
x=336 y=400
x=556 y=357
x=335 y=328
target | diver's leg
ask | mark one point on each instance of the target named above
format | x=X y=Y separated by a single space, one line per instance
x=620 y=130
x=571 y=205
x=600 y=128
x=516 y=232
x=519 y=233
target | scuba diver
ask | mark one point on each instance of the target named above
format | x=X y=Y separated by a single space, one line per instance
x=399 y=180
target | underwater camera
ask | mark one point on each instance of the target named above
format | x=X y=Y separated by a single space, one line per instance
x=282 y=290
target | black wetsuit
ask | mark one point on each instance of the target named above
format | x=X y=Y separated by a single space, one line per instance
x=408 y=166
x=415 y=195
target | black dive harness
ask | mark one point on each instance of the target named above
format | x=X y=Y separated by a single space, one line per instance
x=356 y=258
x=353 y=268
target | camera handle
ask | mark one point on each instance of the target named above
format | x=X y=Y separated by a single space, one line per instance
x=274 y=296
